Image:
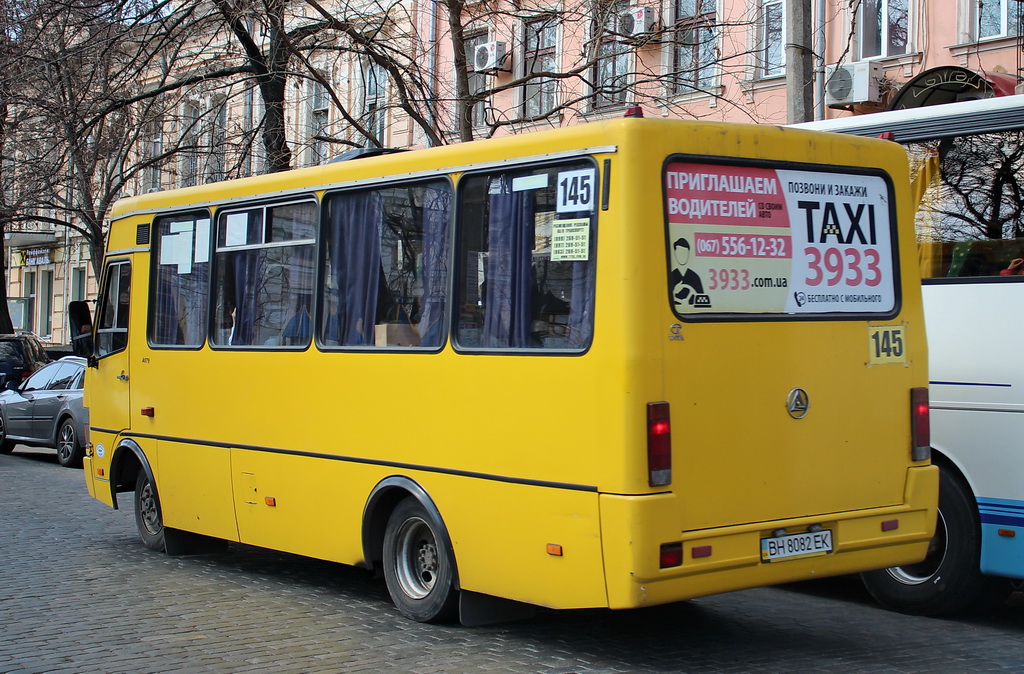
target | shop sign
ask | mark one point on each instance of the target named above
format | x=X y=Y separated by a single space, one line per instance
x=34 y=256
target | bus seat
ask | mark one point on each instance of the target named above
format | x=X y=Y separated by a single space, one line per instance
x=983 y=258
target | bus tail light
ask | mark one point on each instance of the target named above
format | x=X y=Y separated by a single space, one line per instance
x=671 y=555
x=921 y=445
x=659 y=445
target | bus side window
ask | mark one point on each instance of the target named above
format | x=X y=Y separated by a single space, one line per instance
x=526 y=261
x=264 y=279
x=112 y=333
x=180 y=276
x=385 y=267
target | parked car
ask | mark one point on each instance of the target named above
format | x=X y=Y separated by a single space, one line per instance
x=20 y=355
x=46 y=410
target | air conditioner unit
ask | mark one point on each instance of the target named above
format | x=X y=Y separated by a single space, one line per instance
x=849 y=83
x=489 y=56
x=637 y=22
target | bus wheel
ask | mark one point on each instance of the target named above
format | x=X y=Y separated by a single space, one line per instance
x=69 y=449
x=949 y=580
x=417 y=564
x=147 y=513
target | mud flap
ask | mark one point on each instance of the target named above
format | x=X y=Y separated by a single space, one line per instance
x=483 y=609
x=178 y=542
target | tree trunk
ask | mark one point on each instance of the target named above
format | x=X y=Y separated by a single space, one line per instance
x=275 y=139
x=6 y=325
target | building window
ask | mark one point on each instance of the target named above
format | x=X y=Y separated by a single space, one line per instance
x=999 y=18
x=29 y=291
x=539 y=94
x=255 y=161
x=154 y=148
x=696 y=46
x=78 y=280
x=319 y=107
x=771 y=52
x=611 y=72
x=216 y=168
x=188 y=168
x=883 y=27
x=374 y=101
x=477 y=80
x=45 y=303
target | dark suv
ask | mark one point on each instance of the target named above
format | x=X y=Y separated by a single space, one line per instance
x=20 y=356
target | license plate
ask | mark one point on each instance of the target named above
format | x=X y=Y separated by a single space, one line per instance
x=796 y=546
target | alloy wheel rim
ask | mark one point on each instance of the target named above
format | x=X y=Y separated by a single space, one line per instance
x=66 y=446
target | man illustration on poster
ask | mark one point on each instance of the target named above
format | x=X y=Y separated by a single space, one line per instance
x=685 y=284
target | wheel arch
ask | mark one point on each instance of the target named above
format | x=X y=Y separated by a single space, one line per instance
x=381 y=502
x=955 y=470
x=64 y=416
x=125 y=464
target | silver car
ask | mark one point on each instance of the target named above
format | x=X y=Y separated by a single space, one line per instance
x=46 y=410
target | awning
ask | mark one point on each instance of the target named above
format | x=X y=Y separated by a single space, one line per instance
x=25 y=239
x=951 y=84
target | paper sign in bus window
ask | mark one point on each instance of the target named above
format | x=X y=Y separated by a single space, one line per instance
x=202 y=240
x=534 y=182
x=570 y=240
x=237 y=227
x=177 y=249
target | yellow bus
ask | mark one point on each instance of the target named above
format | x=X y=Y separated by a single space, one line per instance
x=621 y=364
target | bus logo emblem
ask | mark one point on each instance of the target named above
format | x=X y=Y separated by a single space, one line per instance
x=797 y=403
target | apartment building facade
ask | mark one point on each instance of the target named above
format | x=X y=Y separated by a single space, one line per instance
x=531 y=65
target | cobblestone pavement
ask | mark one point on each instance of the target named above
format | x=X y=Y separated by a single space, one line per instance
x=80 y=593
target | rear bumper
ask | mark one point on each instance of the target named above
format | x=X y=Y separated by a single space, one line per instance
x=729 y=558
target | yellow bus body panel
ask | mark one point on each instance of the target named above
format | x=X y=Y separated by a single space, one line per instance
x=519 y=451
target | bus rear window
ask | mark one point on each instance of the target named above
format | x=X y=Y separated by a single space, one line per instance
x=755 y=240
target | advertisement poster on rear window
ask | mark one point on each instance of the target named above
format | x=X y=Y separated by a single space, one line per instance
x=745 y=239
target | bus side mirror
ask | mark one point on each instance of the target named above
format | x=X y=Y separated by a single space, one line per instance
x=81 y=329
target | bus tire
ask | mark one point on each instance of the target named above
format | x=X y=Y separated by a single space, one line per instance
x=949 y=580
x=148 y=517
x=69 y=449
x=418 y=564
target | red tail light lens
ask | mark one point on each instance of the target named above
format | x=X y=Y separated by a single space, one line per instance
x=659 y=445
x=921 y=443
x=671 y=555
